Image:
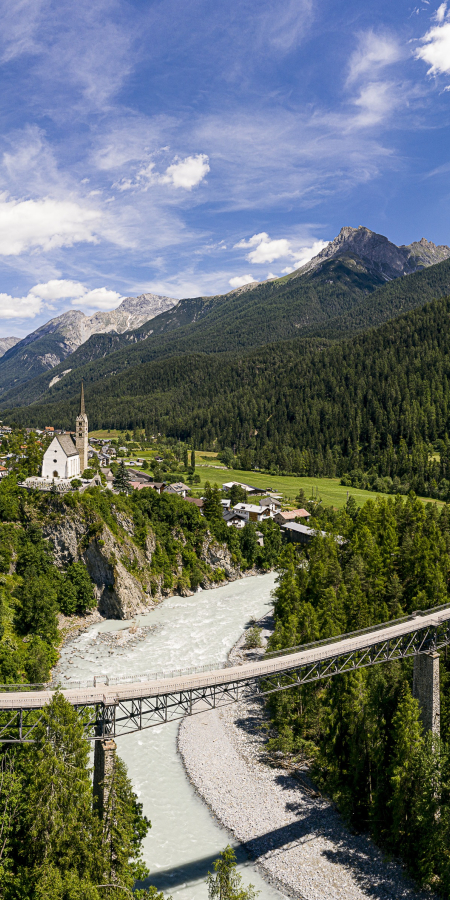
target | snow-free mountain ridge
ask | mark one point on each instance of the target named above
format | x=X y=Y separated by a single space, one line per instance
x=380 y=255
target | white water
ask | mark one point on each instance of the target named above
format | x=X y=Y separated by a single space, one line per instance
x=185 y=839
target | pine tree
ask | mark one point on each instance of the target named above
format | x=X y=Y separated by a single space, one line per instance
x=193 y=459
x=226 y=884
x=122 y=479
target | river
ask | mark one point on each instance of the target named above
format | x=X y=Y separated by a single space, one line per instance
x=185 y=838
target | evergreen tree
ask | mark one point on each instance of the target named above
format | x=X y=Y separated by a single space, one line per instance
x=121 y=481
x=193 y=459
x=212 y=507
x=226 y=883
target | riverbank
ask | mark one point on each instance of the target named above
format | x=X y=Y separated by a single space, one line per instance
x=295 y=835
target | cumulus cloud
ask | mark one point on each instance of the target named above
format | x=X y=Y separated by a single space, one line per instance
x=239 y=280
x=187 y=173
x=375 y=51
x=99 y=298
x=436 y=48
x=267 y=250
x=184 y=173
x=58 y=289
x=20 y=307
x=46 y=223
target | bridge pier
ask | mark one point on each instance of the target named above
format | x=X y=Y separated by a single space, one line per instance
x=104 y=763
x=426 y=690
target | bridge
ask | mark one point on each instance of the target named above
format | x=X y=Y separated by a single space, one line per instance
x=110 y=710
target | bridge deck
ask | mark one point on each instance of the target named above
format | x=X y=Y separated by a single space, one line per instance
x=108 y=694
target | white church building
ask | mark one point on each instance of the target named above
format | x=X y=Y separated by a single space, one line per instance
x=67 y=457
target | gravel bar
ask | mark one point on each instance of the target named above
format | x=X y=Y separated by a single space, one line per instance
x=296 y=836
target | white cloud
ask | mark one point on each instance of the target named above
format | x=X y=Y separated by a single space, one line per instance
x=375 y=101
x=436 y=49
x=46 y=223
x=440 y=12
x=188 y=172
x=99 y=298
x=375 y=51
x=43 y=295
x=266 y=250
x=239 y=280
x=304 y=255
x=58 y=289
x=20 y=307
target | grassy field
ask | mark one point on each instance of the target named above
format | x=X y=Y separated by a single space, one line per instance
x=327 y=489
x=209 y=468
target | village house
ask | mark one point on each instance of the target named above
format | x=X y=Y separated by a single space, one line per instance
x=196 y=501
x=231 y=517
x=252 y=511
x=248 y=488
x=289 y=515
x=178 y=488
x=270 y=503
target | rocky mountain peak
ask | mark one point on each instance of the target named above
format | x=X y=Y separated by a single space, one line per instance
x=379 y=255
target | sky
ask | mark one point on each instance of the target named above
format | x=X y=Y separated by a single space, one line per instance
x=186 y=147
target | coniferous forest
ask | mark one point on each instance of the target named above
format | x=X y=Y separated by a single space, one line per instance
x=361 y=732
x=371 y=407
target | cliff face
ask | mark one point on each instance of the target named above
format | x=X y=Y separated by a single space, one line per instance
x=121 y=571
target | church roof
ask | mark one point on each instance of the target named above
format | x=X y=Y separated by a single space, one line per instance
x=67 y=444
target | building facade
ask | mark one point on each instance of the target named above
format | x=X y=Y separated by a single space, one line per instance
x=66 y=457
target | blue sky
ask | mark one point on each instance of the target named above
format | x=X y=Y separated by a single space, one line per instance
x=184 y=146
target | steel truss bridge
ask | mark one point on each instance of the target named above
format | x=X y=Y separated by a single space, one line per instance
x=111 y=711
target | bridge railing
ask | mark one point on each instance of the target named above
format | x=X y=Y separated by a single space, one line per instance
x=108 y=680
x=125 y=678
x=286 y=651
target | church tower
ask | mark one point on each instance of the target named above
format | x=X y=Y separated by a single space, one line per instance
x=82 y=434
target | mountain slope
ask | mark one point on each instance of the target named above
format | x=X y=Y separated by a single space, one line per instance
x=53 y=342
x=345 y=398
x=6 y=344
x=336 y=294
x=237 y=323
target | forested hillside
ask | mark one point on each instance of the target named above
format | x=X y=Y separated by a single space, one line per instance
x=376 y=401
x=340 y=298
x=361 y=731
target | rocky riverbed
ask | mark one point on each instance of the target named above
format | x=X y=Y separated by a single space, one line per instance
x=295 y=835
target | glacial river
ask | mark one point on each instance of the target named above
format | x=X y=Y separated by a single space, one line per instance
x=185 y=838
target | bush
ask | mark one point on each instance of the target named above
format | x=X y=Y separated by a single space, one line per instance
x=253 y=638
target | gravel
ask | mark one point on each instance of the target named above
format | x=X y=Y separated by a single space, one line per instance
x=295 y=835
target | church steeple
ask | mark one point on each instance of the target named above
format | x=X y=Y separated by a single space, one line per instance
x=82 y=433
x=82 y=409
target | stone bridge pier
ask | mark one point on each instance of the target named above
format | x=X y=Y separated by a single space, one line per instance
x=426 y=689
x=104 y=763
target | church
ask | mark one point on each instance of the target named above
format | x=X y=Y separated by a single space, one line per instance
x=67 y=457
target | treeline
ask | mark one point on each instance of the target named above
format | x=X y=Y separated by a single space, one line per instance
x=362 y=731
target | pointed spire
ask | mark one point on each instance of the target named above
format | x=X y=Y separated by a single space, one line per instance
x=82 y=409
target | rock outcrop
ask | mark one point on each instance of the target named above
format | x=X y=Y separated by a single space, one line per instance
x=123 y=582
x=120 y=593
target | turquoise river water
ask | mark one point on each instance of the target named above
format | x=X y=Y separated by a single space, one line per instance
x=190 y=631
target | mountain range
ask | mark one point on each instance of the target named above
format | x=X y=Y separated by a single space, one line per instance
x=358 y=281
x=53 y=342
